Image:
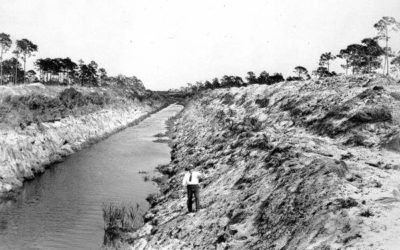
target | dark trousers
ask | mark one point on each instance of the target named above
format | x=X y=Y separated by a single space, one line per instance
x=193 y=192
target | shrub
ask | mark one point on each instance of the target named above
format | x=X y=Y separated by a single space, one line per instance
x=262 y=103
x=97 y=98
x=71 y=97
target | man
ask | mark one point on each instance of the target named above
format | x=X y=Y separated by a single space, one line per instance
x=191 y=181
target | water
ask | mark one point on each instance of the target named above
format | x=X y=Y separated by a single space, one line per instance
x=61 y=209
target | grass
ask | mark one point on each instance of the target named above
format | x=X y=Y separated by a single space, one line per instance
x=120 y=219
x=160 y=135
x=123 y=217
x=152 y=199
x=162 y=141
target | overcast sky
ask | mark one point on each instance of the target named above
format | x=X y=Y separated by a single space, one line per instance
x=168 y=43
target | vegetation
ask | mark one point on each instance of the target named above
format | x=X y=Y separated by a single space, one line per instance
x=5 y=45
x=301 y=71
x=396 y=62
x=228 y=81
x=119 y=219
x=362 y=58
x=25 y=48
x=383 y=26
x=11 y=69
x=367 y=56
x=54 y=71
x=325 y=59
x=63 y=68
x=22 y=110
x=301 y=74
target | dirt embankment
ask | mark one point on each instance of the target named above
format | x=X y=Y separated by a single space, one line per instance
x=42 y=124
x=296 y=165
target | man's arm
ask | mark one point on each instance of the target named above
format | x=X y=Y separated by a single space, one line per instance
x=184 y=181
x=201 y=177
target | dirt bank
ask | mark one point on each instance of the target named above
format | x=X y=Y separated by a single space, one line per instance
x=41 y=125
x=296 y=165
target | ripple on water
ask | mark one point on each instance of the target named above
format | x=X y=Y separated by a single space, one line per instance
x=62 y=209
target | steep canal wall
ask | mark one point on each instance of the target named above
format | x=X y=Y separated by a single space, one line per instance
x=295 y=165
x=41 y=125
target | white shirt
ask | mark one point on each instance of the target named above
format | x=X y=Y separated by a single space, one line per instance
x=194 y=180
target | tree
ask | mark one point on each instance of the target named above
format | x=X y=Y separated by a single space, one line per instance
x=372 y=52
x=200 y=85
x=345 y=55
x=17 y=55
x=263 y=78
x=251 y=78
x=208 y=85
x=322 y=72
x=363 y=57
x=383 y=26
x=26 y=48
x=301 y=71
x=325 y=59
x=31 y=75
x=231 y=81
x=356 y=57
x=69 y=68
x=88 y=73
x=46 y=68
x=275 y=78
x=294 y=78
x=103 y=75
x=215 y=83
x=10 y=67
x=5 y=45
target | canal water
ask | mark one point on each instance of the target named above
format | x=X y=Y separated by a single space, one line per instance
x=62 y=208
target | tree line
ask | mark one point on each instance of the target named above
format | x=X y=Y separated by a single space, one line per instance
x=228 y=81
x=12 y=67
x=367 y=56
x=65 y=71
x=59 y=71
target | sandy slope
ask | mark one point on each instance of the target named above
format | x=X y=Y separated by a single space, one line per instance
x=298 y=165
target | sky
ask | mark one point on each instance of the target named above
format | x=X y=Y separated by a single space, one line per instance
x=169 y=43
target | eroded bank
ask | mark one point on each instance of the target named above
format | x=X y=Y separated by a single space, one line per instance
x=296 y=165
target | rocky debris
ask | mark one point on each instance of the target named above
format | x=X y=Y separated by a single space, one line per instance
x=296 y=165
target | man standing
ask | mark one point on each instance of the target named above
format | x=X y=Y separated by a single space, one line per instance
x=191 y=181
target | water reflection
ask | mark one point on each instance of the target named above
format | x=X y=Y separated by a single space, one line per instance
x=62 y=209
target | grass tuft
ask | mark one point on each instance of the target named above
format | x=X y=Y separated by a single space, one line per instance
x=120 y=219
